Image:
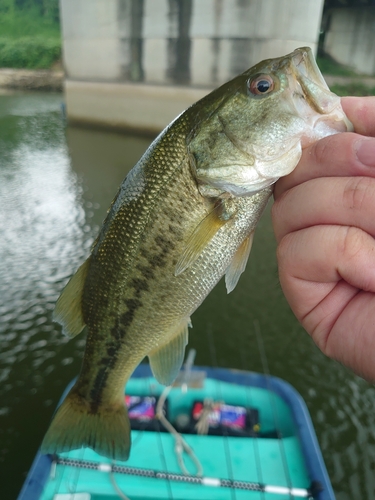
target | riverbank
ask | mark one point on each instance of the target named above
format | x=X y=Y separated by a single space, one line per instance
x=117 y=105
x=32 y=79
x=53 y=80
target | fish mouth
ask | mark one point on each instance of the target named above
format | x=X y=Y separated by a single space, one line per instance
x=304 y=62
x=306 y=72
x=310 y=84
x=309 y=97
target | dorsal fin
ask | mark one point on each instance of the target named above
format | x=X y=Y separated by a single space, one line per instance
x=68 y=311
x=238 y=264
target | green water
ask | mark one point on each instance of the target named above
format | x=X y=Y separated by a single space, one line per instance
x=55 y=186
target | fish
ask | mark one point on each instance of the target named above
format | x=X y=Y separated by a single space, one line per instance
x=183 y=218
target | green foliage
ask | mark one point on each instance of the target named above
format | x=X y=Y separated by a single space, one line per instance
x=29 y=33
x=353 y=88
x=15 y=24
x=29 y=52
x=328 y=66
x=47 y=9
x=355 y=85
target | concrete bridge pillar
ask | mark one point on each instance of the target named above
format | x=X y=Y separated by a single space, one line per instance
x=350 y=37
x=138 y=63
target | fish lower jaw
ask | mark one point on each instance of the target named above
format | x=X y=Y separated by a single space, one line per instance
x=326 y=125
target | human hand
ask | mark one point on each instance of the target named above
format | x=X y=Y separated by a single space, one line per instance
x=324 y=222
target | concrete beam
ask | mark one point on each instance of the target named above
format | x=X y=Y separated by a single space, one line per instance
x=143 y=108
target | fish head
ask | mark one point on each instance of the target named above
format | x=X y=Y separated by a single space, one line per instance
x=255 y=126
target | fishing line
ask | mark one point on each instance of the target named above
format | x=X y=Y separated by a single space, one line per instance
x=116 y=487
x=64 y=475
x=225 y=432
x=291 y=337
x=228 y=460
x=161 y=448
x=78 y=472
x=60 y=471
x=272 y=398
x=211 y=345
x=162 y=456
x=140 y=433
x=258 y=462
x=181 y=446
x=54 y=472
x=150 y=390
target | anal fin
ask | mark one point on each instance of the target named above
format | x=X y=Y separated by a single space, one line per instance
x=68 y=311
x=167 y=360
x=238 y=264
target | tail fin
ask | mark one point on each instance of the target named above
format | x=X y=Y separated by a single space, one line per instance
x=106 y=431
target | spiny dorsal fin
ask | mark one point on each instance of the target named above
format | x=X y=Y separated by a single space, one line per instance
x=238 y=264
x=166 y=361
x=201 y=236
x=68 y=311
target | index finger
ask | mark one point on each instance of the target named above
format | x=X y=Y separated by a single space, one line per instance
x=361 y=112
x=339 y=155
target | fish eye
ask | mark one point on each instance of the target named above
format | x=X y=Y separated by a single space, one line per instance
x=260 y=85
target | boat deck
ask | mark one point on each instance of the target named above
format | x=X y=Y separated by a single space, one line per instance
x=274 y=463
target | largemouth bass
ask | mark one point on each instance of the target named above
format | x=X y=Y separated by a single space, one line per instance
x=184 y=216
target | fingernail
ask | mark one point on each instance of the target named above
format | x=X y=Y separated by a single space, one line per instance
x=365 y=151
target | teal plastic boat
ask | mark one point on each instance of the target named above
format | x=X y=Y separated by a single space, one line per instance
x=218 y=434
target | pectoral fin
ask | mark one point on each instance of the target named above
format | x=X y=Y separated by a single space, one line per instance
x=201 y=236
x=166 y=361
x=68 y=311
x=238 y=264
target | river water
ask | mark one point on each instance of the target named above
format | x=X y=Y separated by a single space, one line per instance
x=56 y=183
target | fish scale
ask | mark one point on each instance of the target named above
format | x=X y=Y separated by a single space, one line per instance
x=155 y=249
x=183 y=218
